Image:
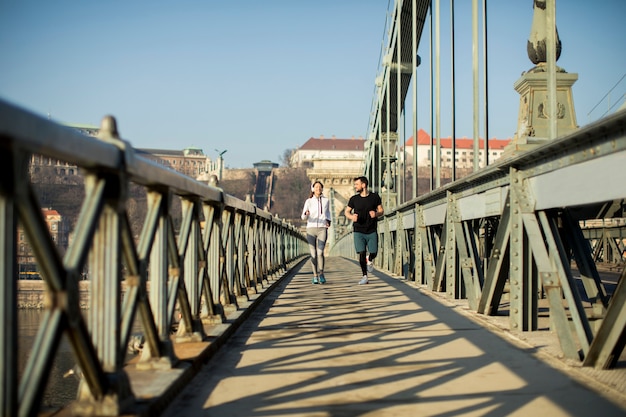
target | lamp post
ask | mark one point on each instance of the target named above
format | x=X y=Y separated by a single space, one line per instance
x=220 y=160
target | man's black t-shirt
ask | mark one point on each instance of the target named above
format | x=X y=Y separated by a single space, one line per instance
x=362 y=206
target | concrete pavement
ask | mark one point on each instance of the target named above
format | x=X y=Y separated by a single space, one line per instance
x=382 y=349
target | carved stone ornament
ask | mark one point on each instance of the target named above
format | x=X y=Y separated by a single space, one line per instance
x=543 y=113
x=536 y=46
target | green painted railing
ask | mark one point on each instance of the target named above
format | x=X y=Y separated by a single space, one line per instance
x=224 y=250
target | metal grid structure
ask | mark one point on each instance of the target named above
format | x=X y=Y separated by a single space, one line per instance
x=517 y=225
x=399 y=64
x=224 y=250
x=512 y=229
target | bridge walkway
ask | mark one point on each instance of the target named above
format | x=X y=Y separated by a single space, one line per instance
x=382 y=349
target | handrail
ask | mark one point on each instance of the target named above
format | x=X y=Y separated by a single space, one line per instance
x=225 y=249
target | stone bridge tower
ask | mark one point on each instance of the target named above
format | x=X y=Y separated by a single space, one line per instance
x=533 y=122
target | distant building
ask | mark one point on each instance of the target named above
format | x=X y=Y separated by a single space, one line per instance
x=316 y=150
x=39 y=163
x=463 y=155
x=265 y=165
x=86 y=129
x=190 y=161
x=264 y=183
x=334 y=162
x=59 y=232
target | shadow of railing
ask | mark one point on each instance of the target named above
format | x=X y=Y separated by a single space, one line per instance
x=384 y=348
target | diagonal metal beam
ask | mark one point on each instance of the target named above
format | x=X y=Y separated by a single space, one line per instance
x=568 y=287
x=497 y=266
x=552 y=284
x=609 y=342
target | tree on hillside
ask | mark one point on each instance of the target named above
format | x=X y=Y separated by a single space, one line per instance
x=285 y=159
x=239 y=187
x=291 y=188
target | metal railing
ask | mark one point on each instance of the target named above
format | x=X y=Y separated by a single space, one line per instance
x=224 y=250
x=514 y=229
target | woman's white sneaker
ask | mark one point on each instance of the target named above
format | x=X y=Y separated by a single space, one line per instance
x=363 y=280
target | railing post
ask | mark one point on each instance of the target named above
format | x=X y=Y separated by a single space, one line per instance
x=227 y=256
x=105 y=307
x=420 y=259
x=210 y=312
x=189 y=249
x=453 y=287
x=8 y=289
x=523 y=314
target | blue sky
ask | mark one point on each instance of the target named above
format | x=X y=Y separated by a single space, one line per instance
x=258 y=77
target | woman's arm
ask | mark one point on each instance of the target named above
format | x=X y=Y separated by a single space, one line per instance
x=305 y=210
x=327 y=216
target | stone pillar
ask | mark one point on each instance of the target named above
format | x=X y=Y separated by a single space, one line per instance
x=533 y=122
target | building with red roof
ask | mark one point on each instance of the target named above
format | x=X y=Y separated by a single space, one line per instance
x=464 y=150
x=334 y=162
x=320 y=149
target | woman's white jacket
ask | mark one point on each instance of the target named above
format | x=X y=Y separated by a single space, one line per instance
x=319 y=211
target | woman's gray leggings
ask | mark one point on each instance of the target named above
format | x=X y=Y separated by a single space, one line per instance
x=316 y=236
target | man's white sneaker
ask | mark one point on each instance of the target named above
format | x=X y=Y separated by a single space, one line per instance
x=370 y=265
x=363 y=280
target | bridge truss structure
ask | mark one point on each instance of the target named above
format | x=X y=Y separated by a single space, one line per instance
x=514 y=233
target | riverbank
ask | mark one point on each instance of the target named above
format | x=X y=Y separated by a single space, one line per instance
x=33 y=294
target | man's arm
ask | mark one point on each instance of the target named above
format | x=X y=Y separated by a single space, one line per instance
x=376 y=213
x=348 y=213
x=379 y=210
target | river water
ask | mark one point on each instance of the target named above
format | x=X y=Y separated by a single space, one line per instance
x=60 y=391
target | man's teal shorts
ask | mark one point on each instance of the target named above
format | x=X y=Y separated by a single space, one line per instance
x=366 y=240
